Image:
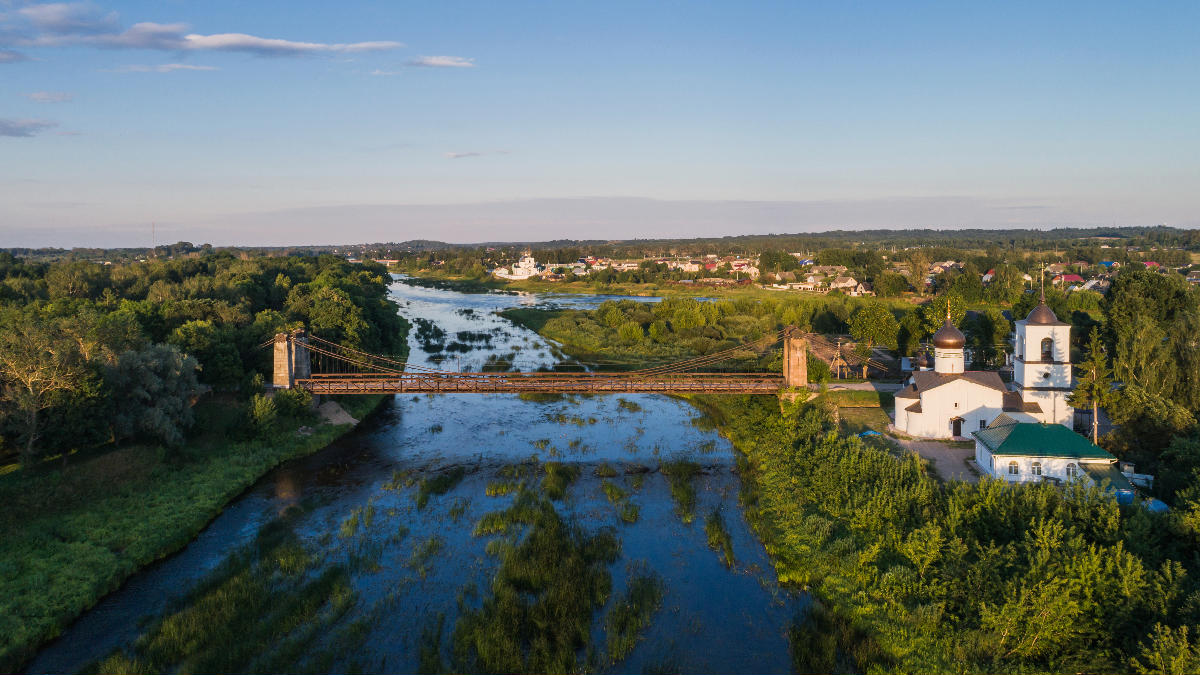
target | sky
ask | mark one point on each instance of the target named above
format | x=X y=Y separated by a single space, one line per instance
x=300 y=122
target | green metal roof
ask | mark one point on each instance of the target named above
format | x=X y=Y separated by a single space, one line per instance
x=1031 y=439
x=1108 y=472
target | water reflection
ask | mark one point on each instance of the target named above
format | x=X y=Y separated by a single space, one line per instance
x=373 y=503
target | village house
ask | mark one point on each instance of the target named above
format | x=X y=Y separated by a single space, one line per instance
x=526 y=268
x=1017 y=450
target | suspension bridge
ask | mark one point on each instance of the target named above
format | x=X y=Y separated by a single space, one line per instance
x=327 y=368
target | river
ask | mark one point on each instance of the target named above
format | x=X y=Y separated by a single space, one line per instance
x=713 y=618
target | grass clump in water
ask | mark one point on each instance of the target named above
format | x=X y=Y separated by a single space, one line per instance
x=502 y=488
x=680 y=475
x=558 y=477
x=549 y=586
x=258 y=611
x=421 y=560
x=614 y=492
x=629 y=512
x=626 y=404
x=606 y=471
x=439 y=485
x=631 y=615
x=718 y=536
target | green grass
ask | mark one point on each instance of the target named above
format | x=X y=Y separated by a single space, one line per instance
x=858 y=420
x=631 y=615
x=680 y=476
x=70 y=536
x=558 y=477
x=439 y=485
x=718 y=536
x=544 y=596
x=614 y=492
x=258 y=612
x=853 y=398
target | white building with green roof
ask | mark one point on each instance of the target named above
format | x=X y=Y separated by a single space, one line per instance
x=1030 y=452
x=1026 y=452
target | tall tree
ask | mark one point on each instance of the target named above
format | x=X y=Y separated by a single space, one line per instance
x=1095 y=388
x=37 y=361
x=872 y=325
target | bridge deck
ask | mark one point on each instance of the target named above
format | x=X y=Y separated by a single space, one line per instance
x=550 y=383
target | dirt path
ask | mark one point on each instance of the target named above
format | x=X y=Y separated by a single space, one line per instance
x=951 y=463
x=333 y=413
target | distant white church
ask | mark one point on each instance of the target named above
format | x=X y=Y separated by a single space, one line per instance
x=949 y=401
x=525 y=269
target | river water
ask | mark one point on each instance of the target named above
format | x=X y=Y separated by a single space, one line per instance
x=713 y=618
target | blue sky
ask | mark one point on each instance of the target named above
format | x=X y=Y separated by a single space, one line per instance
x=306 y=122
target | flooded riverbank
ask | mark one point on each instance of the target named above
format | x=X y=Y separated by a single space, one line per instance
x=397 y=509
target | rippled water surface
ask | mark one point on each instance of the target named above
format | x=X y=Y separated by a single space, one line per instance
x=713 y=619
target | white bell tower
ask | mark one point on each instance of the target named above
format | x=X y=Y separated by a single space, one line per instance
x=1042 y=364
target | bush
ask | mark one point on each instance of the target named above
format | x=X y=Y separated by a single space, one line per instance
x=263 y=414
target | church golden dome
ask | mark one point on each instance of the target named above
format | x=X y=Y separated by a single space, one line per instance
x=949 y=337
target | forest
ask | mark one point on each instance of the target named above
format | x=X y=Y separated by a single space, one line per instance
x=93 y=355
x=132 y=410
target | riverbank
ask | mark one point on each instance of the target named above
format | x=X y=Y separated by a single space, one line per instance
x=68 y=536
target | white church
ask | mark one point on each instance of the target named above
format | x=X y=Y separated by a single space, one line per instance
x=949 y=401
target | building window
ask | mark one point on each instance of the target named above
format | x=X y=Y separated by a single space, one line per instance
x=956 y=404
x=982 y=425
x=1036 y=468
x=1012 y=468
x=1047 y=349
x=1072 y=470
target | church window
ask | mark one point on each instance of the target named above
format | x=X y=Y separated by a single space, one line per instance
x=982 y=424
x=1036 y=468
x=1012 y=468
x=1047 y=349
x=1072 y=470
x=956 y=404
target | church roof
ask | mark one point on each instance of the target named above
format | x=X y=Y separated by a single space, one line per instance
x=1031 y=439
x=1042 y=315
x=924 y=380
x=949 y=337
x=914 y=408
x=1014 y=403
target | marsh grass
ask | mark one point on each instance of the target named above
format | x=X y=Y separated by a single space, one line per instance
x=558 y=477
x=439 y=485
x=680 y=476
x=629 y=512
x=605 y=471
x=70 y=535
x=718 y=536
x=258 y=611
x=421 y=560
x=544 y=596
x=614 y=492
x=631 y=614
x=502 y=488
x=626 y=404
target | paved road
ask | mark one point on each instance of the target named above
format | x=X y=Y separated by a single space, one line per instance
x=951 y=463
x=865 y=386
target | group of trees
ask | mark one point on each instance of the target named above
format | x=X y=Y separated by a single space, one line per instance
x=910 y=574
x=92 y=354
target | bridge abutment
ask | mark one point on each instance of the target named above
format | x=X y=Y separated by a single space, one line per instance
x=291 y=359
x=795 y=360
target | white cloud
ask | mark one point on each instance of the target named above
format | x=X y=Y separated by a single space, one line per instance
x=442 y=62
x=379 y=71
x=24 y=128
x=69 y=18
x=474 y=153
x=161 y=68
x=50 y=96
x=9 y=56
x=58 y=24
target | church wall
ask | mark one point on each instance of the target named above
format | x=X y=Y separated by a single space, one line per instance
x=1054 y=406
x=975 y=403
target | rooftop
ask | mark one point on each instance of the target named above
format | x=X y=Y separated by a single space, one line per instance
x=1031 y=439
